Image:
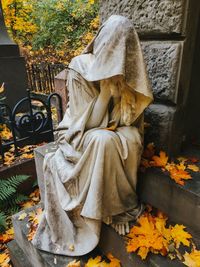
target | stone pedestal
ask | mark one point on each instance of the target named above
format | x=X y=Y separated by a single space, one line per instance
x=12 y=67
x=61 y=88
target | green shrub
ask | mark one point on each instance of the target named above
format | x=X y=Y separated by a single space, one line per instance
x=62 y=23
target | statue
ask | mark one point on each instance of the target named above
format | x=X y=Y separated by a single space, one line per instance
x=92 y=176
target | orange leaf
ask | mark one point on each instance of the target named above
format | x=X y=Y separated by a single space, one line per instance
x=161 y=160
x=179 y=175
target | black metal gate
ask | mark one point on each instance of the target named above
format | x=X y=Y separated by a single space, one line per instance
x=28 y=124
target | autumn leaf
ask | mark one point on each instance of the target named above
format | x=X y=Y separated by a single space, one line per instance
x=7 y=236
x=2 y=88
x=74 y=264
x=179 y=175
x=161 y=160
x=192 y=259
x=179 y=235
x=114 y=262
x=4 y=260
x=22 y=216
x=27 y=156
x=96 y=262
x=145 y=237
x=193 y=167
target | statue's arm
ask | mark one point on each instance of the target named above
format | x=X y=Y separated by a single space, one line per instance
x=100 y=106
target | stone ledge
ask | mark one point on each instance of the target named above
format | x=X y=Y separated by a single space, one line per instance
x=160 y=118
x=149 y=16
x=163 y=61
x=180 y=203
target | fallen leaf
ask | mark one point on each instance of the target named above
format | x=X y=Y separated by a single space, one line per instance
x=74 y=264
x=22 y=216
x=179 y=175
x=192 y=259
x=114 y=262
x=161 y=160
x=193 y=167
x=179 y=235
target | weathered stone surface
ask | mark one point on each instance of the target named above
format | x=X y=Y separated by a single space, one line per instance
x=39 y=154
x=160 y=119
x=180 y=203
x=36 y=257
x=163 y=61
x=148 y=16
x=61 y=88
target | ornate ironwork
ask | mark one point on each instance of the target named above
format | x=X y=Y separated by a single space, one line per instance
x=27 y=124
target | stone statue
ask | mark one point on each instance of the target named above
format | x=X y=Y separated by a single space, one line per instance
x=92 y=176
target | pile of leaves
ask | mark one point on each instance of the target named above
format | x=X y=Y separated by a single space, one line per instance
x=25 y=152
x=179 y=170
x=8 y=234
x=110 y=261
x=152 y=234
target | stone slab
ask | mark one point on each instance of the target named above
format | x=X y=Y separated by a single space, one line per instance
x=149 y=16
x=160 y=119
x=18 y=258
x=180 y=203
x=163 y=59
x=13 y=75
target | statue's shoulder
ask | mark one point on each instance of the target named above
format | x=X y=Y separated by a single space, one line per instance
x=81 y=63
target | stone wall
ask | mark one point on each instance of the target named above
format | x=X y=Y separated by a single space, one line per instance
x=167 y=30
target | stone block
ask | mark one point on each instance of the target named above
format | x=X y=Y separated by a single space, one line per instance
x=149 y=16
x=163 y=59
x=180 y=203
x=13 y=75
x=39 y=154
x=159 y=118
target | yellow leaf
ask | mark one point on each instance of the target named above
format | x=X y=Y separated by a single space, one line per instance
x=179 y=235
x=193 y=167
x=96 y=262
x=161 y=160
x=4 y=259
x=22 y=216
x=143 y=251
x=114 y=262
x=74 y=264
x=192 y=259
x=2 y=88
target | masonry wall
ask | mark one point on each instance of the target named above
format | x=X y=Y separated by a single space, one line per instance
x=167 y=30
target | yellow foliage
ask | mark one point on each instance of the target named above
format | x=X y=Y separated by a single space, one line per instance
x=192 y=259
x=152 y=235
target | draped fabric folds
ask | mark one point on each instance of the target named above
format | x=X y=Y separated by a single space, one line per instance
x=92 y=176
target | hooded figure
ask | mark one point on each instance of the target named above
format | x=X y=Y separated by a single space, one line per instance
x=92 y=176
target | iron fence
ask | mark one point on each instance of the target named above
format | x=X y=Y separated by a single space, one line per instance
x=30 y=124
x=41 y=76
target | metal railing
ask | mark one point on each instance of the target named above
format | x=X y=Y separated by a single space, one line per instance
x=29 y=124
x=41 y=76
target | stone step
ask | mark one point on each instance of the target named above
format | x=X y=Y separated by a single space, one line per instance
x=180 y=203
x=24 y=254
